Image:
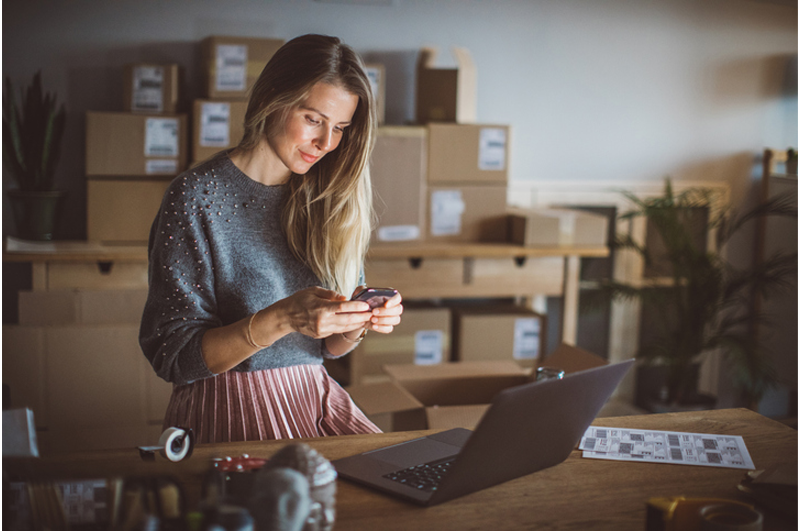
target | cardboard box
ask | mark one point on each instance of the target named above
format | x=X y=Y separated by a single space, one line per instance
x=151 y=88
x=216 y=125
x=377 y=81
x=81 y=306
x=474 y=154
x=467 y=213
x=544 y=227
x=421 y=338
x=135 y=145
x=122 y=211
x=495 y=332
x=232 y=64
x=399 y=172
x=446 y=94
x=453 y=394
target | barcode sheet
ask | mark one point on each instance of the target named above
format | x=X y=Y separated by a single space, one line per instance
x=679 y=448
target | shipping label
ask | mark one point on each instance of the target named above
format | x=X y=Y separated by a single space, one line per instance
x=161 y=137
x=215 y=124
x=231 y=71
x=492 y=149
x=527 y=331
x=446 y=209
x=148 y=83
x=428 y=347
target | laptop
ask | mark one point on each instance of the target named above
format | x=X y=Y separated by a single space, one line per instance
x=527 y=428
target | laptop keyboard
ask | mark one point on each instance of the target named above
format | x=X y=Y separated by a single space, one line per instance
x=423 y=477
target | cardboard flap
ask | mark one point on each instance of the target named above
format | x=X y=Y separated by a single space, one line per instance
x=445 y=418
x=463 y=58
x=570 y=358
x=453 y=370
x=457 y=391
x=427 y=57
x=384 y=397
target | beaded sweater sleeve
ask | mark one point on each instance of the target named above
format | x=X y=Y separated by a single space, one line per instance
x=218 y=254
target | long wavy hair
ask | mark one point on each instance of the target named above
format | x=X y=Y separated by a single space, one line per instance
x=328 y=215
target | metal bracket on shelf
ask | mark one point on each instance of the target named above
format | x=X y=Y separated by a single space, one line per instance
x=469 y=270
x=415 y=262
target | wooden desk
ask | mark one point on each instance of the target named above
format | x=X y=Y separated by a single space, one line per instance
x=577 y=494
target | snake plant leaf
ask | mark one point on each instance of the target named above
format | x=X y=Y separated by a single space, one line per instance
x=32 y=134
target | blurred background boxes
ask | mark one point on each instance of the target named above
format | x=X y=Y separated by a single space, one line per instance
x=467 y=213
x=377 y=81
x=232 y=64
x=151 y=88
x=122 y=211
x=446 y=94
x=468 y=153
x=422 y=338
x=498 y=332
x=399 y=176
x=135 y=145
x=545 y=227
x=216 y=125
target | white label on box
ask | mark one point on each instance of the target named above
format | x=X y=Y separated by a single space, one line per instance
x=492 y=149
x=215 y=124
x=398 y=233
x=446 y=209
x=147 y=84
x=161 y=166
x=428 y=347
x=231 y=67
x=526 y=338
x=161 y=137
x=374 y=76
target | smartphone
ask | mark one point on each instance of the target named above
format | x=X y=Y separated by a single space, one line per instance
x=375 y=296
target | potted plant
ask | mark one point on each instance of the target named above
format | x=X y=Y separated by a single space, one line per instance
x=703 y=307
x=32 y=134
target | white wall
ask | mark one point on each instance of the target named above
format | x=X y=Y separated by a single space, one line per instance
x=612 y=90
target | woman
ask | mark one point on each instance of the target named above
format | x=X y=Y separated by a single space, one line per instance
x=254 y=255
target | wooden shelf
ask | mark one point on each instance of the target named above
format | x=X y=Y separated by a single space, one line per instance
x=478 y=250
x=71 y=251
x=81 y=251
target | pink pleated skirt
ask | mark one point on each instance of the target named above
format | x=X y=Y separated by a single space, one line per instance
x=286 y=403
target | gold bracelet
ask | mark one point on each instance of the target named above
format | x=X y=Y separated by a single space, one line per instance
x=250 y=333
x=359 y=339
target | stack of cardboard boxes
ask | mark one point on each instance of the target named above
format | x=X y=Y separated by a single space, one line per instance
x=444 y=179
x=131 y=156
x=231 y=66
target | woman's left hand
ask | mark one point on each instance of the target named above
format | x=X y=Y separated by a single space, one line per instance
x=385 y=318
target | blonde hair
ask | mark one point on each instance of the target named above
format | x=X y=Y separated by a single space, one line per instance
x=328 y=215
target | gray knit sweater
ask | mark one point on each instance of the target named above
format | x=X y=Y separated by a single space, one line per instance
x=218 y=254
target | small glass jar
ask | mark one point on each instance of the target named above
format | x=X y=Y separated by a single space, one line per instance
x=549 y=373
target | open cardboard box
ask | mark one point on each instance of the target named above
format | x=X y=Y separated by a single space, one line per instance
x=453 y=394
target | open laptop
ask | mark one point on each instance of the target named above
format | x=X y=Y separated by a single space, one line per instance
x=526 y=428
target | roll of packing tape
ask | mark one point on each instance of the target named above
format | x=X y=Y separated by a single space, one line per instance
x=730 y=517
x=176 y=444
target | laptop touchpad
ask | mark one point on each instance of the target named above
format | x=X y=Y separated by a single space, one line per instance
x=415 y=452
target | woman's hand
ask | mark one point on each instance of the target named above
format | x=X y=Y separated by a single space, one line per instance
x=385 y=318
x=319 y=313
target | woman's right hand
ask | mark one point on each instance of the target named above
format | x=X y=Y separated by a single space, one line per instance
x=317 y=312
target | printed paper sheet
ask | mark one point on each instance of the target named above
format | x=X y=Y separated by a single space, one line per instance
x=678 y=448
